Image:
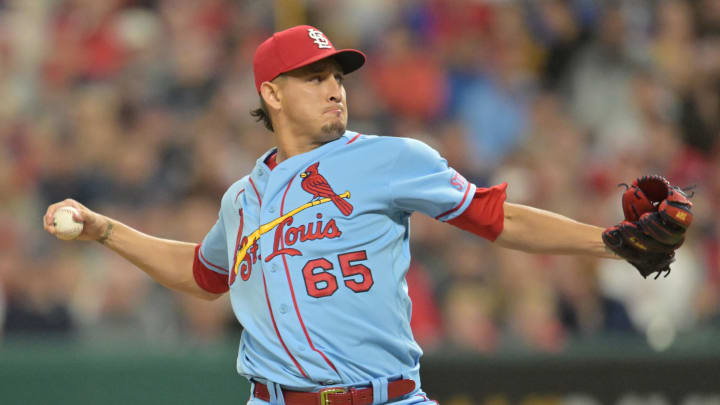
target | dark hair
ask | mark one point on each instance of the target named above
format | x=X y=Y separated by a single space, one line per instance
x=262 y=114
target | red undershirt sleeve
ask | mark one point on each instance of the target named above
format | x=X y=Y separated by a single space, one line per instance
x=484 y=216
x=209 y=280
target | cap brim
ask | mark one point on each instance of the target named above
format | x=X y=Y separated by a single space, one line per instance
x=349 y=59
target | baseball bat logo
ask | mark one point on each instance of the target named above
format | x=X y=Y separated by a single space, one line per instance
x=247 y=248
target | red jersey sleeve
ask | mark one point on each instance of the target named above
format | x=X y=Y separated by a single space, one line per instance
x=484 y=216
x=208 y=280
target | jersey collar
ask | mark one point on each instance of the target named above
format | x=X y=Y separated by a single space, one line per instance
x=271 y=160
x=267 y=160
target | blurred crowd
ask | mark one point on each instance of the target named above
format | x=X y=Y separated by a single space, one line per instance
x=139 y=109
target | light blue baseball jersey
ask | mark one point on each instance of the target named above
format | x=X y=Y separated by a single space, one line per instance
x=317 y=250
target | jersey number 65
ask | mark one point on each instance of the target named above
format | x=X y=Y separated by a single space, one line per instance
x=319 y=282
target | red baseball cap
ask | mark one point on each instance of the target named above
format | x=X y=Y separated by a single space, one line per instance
x=297 y=47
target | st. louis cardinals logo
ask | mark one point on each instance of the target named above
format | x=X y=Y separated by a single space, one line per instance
x=319 y=38
x=315 y=184
x=286 y=235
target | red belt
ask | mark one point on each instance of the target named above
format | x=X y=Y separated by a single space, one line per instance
x=336 y=395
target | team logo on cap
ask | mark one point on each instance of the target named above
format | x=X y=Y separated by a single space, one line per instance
x=319 y=38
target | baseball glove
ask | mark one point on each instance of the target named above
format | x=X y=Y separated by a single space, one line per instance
x=657 y=216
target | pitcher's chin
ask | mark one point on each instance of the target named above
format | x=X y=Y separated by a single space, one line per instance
x=333 y=130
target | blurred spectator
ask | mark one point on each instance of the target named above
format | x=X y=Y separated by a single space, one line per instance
x=84 y=42
x=406 y=79
x=38 y=300
x=469 y=315
x=600 y=87
x=584 y=308
x=492 y=105
x=563 y=36
x=426 y=320
x=530 y=319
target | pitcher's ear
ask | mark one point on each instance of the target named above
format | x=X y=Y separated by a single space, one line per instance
x=270 y=93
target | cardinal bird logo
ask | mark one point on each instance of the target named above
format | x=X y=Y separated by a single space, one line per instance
x=315 y=184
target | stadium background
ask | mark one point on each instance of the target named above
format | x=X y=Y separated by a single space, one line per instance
x=140 y=110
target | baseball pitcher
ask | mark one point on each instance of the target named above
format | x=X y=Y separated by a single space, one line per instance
x=313 y=244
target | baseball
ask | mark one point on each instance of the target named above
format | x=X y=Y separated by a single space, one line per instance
x=66 y=228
